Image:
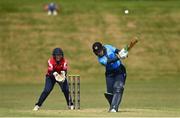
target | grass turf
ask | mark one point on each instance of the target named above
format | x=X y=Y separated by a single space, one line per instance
x=28 y=35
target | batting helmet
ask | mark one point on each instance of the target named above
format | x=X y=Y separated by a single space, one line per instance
x=97 y=47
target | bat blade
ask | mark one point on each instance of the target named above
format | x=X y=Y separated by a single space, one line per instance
x=132 y=43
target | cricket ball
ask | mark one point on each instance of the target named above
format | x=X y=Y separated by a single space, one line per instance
x=126 y=11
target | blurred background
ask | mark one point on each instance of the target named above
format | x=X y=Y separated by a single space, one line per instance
x=28 y=35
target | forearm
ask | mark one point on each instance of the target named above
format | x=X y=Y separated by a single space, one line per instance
x=117 y=51
x=112 y=60
x=50 y=73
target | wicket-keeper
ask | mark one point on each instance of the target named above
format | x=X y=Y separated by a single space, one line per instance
x=56 y=73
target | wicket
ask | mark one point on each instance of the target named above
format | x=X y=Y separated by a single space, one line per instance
x=74 y=90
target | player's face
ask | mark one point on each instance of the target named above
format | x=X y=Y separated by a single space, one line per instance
x=58 y=57
x=101 y=53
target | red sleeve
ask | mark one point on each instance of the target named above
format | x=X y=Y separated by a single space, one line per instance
x=65 y=65
x=50 y=66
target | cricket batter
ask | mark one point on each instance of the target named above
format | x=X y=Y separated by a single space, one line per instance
x=56 y=73
x=110 y=57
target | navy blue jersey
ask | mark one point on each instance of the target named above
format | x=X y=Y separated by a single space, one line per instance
x=52 y=7
x=110 y=54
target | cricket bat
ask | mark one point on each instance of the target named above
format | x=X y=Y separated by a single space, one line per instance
x=132 y=43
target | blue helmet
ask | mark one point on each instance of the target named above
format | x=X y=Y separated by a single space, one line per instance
x=57 y=51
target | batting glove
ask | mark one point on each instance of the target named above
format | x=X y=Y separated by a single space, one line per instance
x=123 y=54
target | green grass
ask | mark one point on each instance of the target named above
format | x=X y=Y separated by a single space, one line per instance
x=150 y=97
x=28 y=35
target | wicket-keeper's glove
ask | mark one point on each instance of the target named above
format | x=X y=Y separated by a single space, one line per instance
x=59 y=77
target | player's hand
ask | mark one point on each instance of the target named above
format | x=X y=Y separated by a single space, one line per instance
x=123 y=54
x=59 y=77
x=63 y=75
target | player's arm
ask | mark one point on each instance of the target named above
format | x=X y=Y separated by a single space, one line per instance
x=104 y=60
x=113 y=49
x=116 y=58
x=50 y=68
x=124 y=52
x=52 y=73
x=59 y=77
x=120 y=54
x=64 y=71
x=62 y=76
x=116 y=51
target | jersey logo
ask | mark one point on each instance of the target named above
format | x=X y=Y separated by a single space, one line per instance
x=96 y=47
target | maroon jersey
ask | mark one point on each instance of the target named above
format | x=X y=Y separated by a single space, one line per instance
x=58 y=67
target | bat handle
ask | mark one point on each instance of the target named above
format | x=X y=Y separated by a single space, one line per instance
x=126 y=48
